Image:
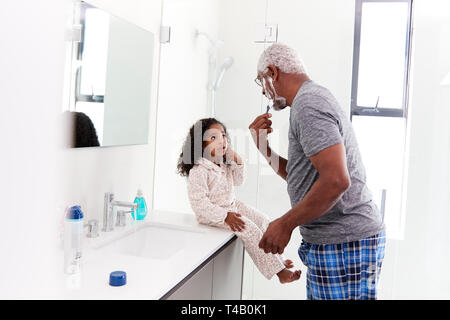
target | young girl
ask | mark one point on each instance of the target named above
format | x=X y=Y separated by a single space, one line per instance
x=213 y=169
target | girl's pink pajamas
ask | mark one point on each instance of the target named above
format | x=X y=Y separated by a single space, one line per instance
x=210 y=191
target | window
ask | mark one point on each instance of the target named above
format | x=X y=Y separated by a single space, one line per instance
x=379 y=104
x=92 y=54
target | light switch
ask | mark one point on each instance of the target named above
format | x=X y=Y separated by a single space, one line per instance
x=266 y=33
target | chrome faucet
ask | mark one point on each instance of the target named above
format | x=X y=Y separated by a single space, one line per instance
x=110 y=203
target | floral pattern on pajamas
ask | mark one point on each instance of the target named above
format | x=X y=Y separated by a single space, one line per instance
x=211 y=195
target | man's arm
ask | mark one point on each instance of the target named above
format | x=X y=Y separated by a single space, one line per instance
x=333 y=181
x=277 y=162
x=259 y=129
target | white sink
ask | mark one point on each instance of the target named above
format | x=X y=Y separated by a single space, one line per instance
x=153 y=240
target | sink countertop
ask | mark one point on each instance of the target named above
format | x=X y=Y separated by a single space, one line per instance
x=146 y=278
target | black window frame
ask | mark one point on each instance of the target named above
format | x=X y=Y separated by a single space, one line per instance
x=374 y=111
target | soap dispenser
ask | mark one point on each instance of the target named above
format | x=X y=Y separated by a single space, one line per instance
x=141 y=211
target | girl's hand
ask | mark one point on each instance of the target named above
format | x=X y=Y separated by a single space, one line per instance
x=230 y=155
x=234 y=222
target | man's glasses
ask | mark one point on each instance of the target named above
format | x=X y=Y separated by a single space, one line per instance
x=258 y=82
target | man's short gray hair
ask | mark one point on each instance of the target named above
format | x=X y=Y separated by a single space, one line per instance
x=283 y=57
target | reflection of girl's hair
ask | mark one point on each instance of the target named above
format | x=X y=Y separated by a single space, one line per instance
x=192 y=149
x=84 y=133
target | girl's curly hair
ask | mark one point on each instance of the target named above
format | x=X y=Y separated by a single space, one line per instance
x=192 y=149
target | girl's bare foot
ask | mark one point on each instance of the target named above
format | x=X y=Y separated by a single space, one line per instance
x=288 y=264
x=286 y=276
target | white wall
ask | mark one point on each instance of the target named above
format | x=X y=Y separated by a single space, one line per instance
x=31 y=77
x=38 y=180
x=182 y=92
x=416 y=267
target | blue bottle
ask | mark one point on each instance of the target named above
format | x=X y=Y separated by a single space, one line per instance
x=141 y=211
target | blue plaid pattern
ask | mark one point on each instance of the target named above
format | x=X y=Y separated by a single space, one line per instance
x=345 y=271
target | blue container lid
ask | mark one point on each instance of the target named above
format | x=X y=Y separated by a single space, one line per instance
x=117 y=278
x=74 y=213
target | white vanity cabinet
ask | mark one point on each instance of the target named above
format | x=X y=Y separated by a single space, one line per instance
x=218 y=278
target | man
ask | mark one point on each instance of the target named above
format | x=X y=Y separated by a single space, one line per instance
x=342 y=229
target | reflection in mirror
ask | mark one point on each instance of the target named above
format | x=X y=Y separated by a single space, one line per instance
x=111 y=80
x=84 y=132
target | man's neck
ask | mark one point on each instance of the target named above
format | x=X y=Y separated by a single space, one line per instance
x=297 y=82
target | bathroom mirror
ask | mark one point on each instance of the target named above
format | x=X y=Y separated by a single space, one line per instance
x=111 y=78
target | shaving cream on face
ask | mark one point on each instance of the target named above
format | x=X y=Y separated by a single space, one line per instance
x=278 y=103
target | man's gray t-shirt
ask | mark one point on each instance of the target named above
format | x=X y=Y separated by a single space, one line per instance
x=316 y=123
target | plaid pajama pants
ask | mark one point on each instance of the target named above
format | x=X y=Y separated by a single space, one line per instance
x=346 y=271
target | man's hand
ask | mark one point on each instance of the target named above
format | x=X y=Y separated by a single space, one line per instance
x=234 y=222
x=276 y=237
x=259 y=129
